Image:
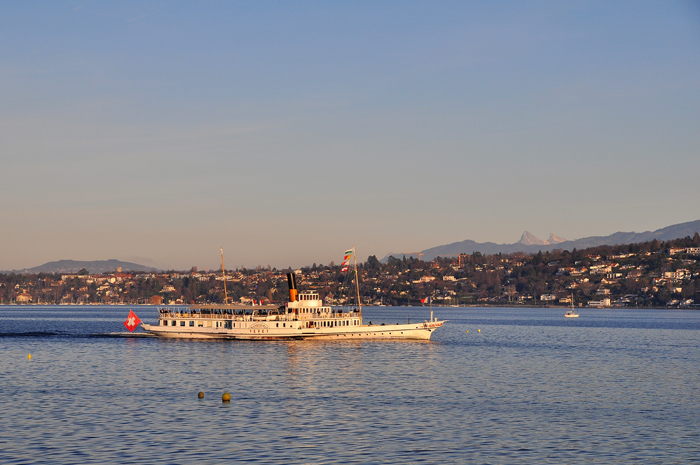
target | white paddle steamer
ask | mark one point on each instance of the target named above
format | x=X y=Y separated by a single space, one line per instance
x=304 y=316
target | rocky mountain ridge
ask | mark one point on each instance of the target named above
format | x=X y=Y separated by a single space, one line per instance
x=530 y=239
x=529 y=243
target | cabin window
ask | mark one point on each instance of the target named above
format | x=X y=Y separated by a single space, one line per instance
x=182 y=323
x=173 y=323
x=284 y=325
x=192 y=323
x=278 y=325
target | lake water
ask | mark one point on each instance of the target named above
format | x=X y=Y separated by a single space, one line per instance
x=613 y=386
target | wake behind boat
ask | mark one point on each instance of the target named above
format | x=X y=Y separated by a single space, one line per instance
x=304 y=316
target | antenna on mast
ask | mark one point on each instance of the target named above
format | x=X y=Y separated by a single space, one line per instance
x=223 y=273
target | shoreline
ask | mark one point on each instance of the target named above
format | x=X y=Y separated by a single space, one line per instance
x=562 y=307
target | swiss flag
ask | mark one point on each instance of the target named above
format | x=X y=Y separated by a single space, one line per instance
x=132 y=321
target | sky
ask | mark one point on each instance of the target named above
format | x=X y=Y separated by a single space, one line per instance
x=286 y=132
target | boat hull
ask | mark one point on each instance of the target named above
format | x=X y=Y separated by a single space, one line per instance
x=421 y=331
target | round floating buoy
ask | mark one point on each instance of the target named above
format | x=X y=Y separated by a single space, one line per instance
x=200 y=395
x=226 y=397
x=467 y=330
x=29 y=357
x=479 y=330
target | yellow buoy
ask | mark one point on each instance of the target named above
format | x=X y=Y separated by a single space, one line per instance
x=29 y=356
x=200 y=395
x=467 y=330
x=226 y=397
x=479 y=330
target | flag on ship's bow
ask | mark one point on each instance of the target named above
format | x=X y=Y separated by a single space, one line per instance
x=132 y=321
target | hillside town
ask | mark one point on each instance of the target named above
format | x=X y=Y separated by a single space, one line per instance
x=651 y=274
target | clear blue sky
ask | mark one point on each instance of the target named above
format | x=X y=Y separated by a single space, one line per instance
x=158 y=132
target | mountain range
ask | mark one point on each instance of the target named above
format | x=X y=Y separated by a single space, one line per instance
x=93 y=267
x=528 y=243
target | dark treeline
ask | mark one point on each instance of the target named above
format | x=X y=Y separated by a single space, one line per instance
x=650 y=274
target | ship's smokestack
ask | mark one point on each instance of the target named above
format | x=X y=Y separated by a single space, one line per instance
x=291 y=280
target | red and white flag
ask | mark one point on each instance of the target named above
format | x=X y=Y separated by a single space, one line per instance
x=132 y=321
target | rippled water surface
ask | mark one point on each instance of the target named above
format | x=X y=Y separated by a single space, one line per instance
x=613 y=386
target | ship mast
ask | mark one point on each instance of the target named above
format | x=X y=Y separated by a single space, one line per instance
x=357 y=280
x=223 y=273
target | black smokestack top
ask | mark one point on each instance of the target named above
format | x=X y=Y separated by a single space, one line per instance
x=291 y=280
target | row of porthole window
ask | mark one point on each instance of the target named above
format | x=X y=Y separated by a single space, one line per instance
x=174 y=323
x=191 y=324
x=313 y=310
x=326 y=324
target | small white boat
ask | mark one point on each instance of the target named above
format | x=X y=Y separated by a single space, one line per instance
x=571 y=313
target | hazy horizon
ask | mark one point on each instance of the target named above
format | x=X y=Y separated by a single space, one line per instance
x=158 y=132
